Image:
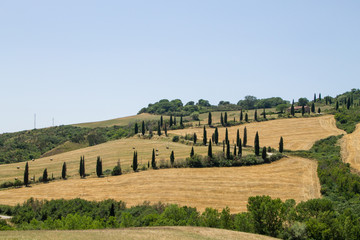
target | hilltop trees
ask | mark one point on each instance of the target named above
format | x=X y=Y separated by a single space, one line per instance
x=99 y=171
x=257 y=144
x=26 y=174
x=153 y=162
x=135 y=162
x=281 y=145
x=204 y=136
x=63 y=171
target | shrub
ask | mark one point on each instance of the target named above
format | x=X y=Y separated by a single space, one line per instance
x=116 y=171
x=175 y=138
x=194 y=161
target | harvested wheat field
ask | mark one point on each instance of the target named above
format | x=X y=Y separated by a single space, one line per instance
x=152 y=233
x=110 y=152
x=287 y=178
x=298 y=133
x=350 y=148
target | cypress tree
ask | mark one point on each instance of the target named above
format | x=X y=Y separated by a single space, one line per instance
x=26 y=174
x=246 y=117
x=264 y=113
x=226 y=135
x=45 y=176
x=83 y=167
x=255 y=115
x=223 y=146
x=135 y=163
x=136 y=128
x=221 y=120
x=161 y=121
x=314 y=97
x=63 y=171
x=320 y=97
x=153 y=162
x=348 y=103
x=245 y=137
x=181 y=122
x=319 y=110
x=235 y=150
x=240 y=148
x=337 y=105
x=281 y=145
x=216 y=136
x=302 y=110
x=292 y=110
x=112 y=210
x=263 y=154
x=195 y=138
x=99 y=167
x=171 y=121
x=172 y=158
x=237 y=137
x=326 y=100
x=80 y=167
x=165 y=130
x=174 y=120
x=204 y=137
x=225 y=119
x=241 y=115
x=257 y=144
x=228 y=156
x=143 y=128
x=192 y=152
x=209 y=119
x=159 y=129
x=213 y=137
x=210 y=150
x=313 y=107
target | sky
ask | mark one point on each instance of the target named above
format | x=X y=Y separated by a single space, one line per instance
x=83 y=61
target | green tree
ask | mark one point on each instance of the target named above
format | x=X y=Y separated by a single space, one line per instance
x=161 y=121
x=181 y=121
x=135 y=162
x=237 y=137
x=228 y=155
x=159 y=129
x=63 y=171
x=246 y=117
x=281 y=145
x=45 y=176
x=153 y=162
x=320 y=97
x=216 y=136
x=195 y=138
x=313 y=107
x=264 y=114
x=221 y=119
x=99 y=172
x=117 y=169
x=337 y=105
x=303 y=101
x=204 y=136
x=302 y=110
x=255 y=115
x=348 y=103
x=241 y=115
x=136 y=128
x=209 y=119
x=225 y=119
x=174 y=120
x=82 y=167
x=210 y=150
x=192 y=152
x=257 y=144
x=171 y=121
x=226 y=135
x=314 y=97
x=235 y=150
x=319 y=110
x=240 y=148
x=292 y=111
x=172 y=158
x=26 y=174
x=143 y=128
x=245 y=137
x=165 y=130
x=263 y=154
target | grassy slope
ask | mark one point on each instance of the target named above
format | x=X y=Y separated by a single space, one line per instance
x=287 y=178
x=155 y=233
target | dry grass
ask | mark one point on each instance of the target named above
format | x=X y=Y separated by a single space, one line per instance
x=298 y=133
x=152 y=233
x=350 y=148
x=293 y=177
x=110 y=152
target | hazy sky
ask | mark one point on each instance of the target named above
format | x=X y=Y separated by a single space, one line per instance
x=81 y=61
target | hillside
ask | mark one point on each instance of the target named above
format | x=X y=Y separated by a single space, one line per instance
x=350 y=148
x=293 y=177
x=152 y=233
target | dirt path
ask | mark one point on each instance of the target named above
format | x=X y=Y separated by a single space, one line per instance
x=292 y=177
x=350 y=148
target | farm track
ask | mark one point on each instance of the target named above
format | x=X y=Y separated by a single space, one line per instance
x=298 y=133
x=350 y=148
x=293 y=177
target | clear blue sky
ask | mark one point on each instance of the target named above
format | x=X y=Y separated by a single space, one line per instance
x=81 y=61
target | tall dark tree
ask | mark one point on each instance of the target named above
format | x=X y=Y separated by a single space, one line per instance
x=159 y=129
x=235 y=150
x=26 y=174
x=136 y=128
x=292 y=111
x=302 y=110
x=161 y=121
x=195 y=138
x=264 y=114
x=143 y=128
x=45 y=175
x=246 y=117
x=225 y=119
x=348 y=103
x=171 y=121
x=320 y=97
x=192 y=152
x=337 y=105
x=237 y=137
x=210 y=150
x=209 y=119
x=181 y=121
x=165 y=130
x=281 y=145
x=135 y=162
x=319 y=110
x=313 y=107
x=241 y=115
x=226 y=135
x=257 y=144
x=153 y=161
x=174 y=120
x=112 y=210
x=228 y=155
x=63 y=171
x=82 y=167
x=223 y=146
x=172 y=158
x=255 y=115
x=221 y=119
x=99 y=172
x=204 y=136
x=314 y=97
x=263 y=154
x=216 y=136
x=245 y=137
x=240 y=148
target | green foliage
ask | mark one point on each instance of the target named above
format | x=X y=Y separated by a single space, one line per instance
x=281 y=145
x=135 y=162
x=172 y=158
x=347 y=119
x=153 y=161
x=175 y=138
x=245 y=137
x=26 y=174
x=99 y=171
x=116 y=170
x=257 y=144
x=45 y=176
x=63 y=171
x=204 y=137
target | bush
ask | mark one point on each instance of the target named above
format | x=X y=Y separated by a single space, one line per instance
x=195 y=116
x=194 y=161
x=275 y=157
x=116 y=171
x=175 y=138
